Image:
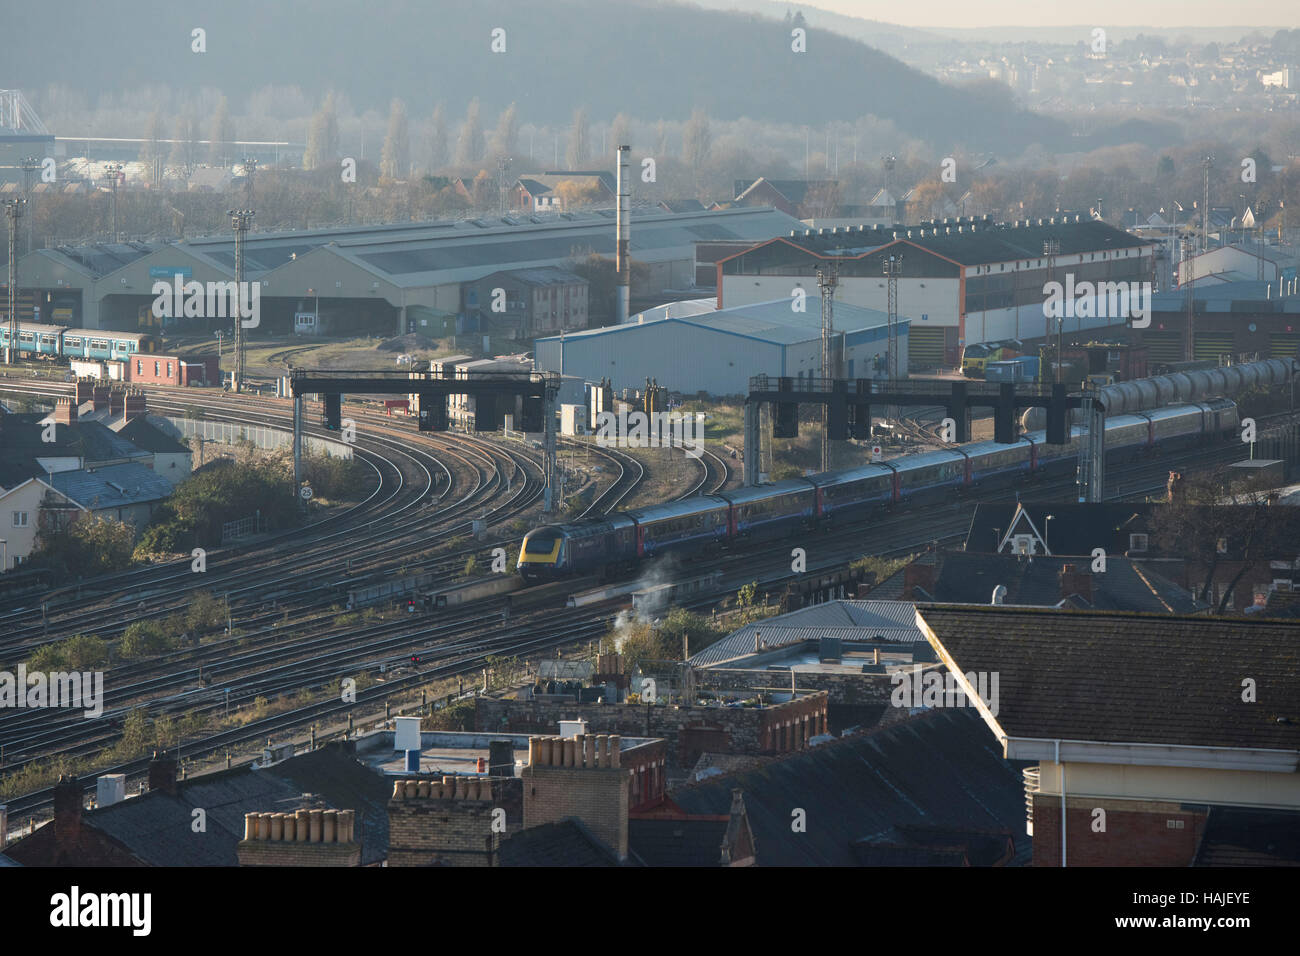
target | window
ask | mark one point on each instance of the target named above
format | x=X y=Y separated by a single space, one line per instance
x=139 y=367
x=1222 y=546
x=169 y=369
x=155 y=369
x=20 y=519
x=1137 y=542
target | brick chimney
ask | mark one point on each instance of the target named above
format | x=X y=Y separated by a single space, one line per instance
x=116 y=401
x=578 y=777
x=917 y=575
x=302 y=838
x=99 y=395
x=67 y=818
x=1074 y=581
x=65 y=412
x=85 y=390
x=162 y=772
x=452 y=821
x=135 y=404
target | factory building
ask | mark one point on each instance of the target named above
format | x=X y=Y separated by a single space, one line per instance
x=717 y=352
x=1231 y=319
x=962 y=281
x=385 y=279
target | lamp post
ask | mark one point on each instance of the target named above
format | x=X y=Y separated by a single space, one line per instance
x=1047 y=524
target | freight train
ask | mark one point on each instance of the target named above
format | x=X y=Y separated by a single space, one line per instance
x=619 y=541
x=61 y=342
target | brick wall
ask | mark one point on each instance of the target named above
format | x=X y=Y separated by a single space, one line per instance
x=266 y=853
x=1137 y=833
x=450 y=826
x=598 y=796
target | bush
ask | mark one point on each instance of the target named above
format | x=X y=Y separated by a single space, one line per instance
x=145 y=639
x=339 y=479
x=81 y=652
x=88 y=546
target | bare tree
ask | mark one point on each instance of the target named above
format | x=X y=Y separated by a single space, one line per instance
x=579 y=149
x=223 y=135
x=438 y=144
x=507 y=132
x=395 y=159
x=697 y=140
x=469 y=147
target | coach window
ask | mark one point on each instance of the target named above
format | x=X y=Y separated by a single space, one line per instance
x=155 y=369
x=139 y=367
x=169 y=369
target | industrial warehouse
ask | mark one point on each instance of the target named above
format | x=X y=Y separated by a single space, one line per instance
x=960 y=281
x=390 y=279
x=689 y=347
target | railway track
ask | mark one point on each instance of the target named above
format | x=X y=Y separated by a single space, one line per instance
x=459 y=643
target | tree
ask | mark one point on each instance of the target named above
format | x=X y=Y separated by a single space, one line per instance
x=620 y=131
x=661 y=140
x=697 y=140
x=579 y=148
x=151 y=150
x=438 y=145
x=574 y=194
x=322 y=136
x=507 y=132
x=395 y=159
x=1213 y=524
x=469 y=147
x=223 y=135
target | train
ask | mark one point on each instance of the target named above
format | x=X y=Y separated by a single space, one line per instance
x=618 y=542
x=975 y=357
x=61 y=342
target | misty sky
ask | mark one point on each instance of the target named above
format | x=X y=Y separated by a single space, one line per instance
x=986 y=13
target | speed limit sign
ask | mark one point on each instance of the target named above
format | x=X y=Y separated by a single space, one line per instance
x=304 y=492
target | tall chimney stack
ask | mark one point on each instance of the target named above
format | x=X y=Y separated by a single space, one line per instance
x=623 y=225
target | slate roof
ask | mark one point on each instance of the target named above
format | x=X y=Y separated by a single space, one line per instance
x=969 y=578
x=565 y=843
x=792 y=190
x=94 y=489
x=156 y=826
x=1135 y=678
x=850 y=621
x=145 y=435
x=941 y=767
x=1075 y=529
x=91 y=440
x=666 y=842
x=1235 y=836
x=16 y=470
